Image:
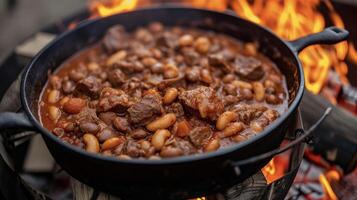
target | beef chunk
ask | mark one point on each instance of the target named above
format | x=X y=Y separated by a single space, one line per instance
x=115 y=39
x=248 y=68
x=89 y=86
x=186 y=147
x=176 y=108
x=133 y=149
x=247 y=113
x=107 y=117
x=121 y=124
x=146 y=110
x=203 y=99
x=166 y=40
x=116 y=77
x=200 y=135
x=218 y=60
x=117 y=104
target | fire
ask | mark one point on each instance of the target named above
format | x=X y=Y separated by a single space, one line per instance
x=105 y=8
x=275 y=169
x=325 y=180
x=292 y=19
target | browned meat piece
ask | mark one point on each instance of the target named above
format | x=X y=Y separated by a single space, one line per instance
x=167 y=40
x=247 y=113
x=203 y=99
x=139 y=134
x=191 y=57
x=115 y=39
x=248 y=68
x=200 y=135
x=133 y=149
x=218 y=60
x=107 y=117
x=175 y=108
x=146 y=110
x=116 y=77
x=89 y=86
x=186 y=147
x=117 y=104
x=121 y=123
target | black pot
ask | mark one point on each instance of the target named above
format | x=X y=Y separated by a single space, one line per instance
x=181 y=177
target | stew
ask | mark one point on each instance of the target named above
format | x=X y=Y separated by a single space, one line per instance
x=160 y=92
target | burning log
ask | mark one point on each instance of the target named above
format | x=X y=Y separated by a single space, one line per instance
x=336 y=138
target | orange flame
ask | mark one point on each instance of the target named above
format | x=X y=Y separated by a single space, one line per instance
x=105 y=8
x=325 y=180
x=292 y=19
x=275 y=169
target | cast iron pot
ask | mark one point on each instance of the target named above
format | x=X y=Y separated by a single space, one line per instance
x=179 y=177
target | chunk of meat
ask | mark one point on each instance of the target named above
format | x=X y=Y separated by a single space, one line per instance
x=89 y=86
x=146 y=110
x=203 y=99
x=121 y=123
x=115 y=39
x=107 y=117
x=248 y=68
x=118 y=104
x=247 y=113
x=176 y=108
x=186 y=147
x=218 y=60
x=116 y=77
x=199 y=136
x=133 y=149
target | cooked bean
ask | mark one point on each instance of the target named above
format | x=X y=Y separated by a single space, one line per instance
x=54 y=113
x=206 y=76
x=272 y=99
x=93 y=66
x=88 y=127
x=124 y=157
x=228 y=78
x=111 y=143
x=170 y=95
x=168 y=152
x=251 y=49
x=162 y=122
x=239 y=138
x=242 y=84
x=74 y=105
x=259 y=91
x=183 y=128
x=68 y=86
x=53 y=96
x=149 y=61
x=55 y=82
x=116 y=57
x=232 y=129
x=154 y=158
x=145 y=145
x=225 y=118
x=157 y=68
x=159 y=138
x=170 y=71
x=91 y=142
x=202 y=45
x=76 y=75
x=63 y=100
x=213 y=145
x=186 y=40
x=259 y=124
x=269 y=84
x=105 y=134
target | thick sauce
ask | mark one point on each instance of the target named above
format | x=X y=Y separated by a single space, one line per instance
x=162 y=92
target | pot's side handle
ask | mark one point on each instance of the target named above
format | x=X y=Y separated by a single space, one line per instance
x=330 y=35
x=14 y=120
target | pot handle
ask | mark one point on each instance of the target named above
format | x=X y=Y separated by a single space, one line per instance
x=304 y=136
x=330 y=35
x=14 y=120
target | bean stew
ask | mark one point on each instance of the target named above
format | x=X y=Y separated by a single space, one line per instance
x=161 y=92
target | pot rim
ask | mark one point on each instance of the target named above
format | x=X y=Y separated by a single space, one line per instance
x=167 y=161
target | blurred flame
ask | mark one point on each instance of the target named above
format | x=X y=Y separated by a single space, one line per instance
x=219 y=5
x=105 y=8
x=292 y=19
x=275 y=169
x=325 y=180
